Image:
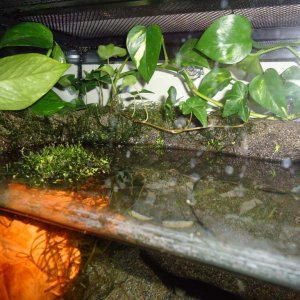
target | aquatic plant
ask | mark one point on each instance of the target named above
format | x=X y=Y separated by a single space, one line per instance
x=61 y=164
x=226 y=42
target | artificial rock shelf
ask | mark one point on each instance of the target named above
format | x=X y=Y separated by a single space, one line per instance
x=239 y=215
x=262 y=139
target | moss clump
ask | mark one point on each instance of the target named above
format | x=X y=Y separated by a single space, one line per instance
x=62 y=164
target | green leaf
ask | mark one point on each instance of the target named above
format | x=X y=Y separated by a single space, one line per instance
x=251 y=65
x=236 y=101
x=58 y=54
x=28 y=34
x=143 y=91
x=189 y=56
x=97 y=76
x=268 y=91
x=67 y=80
x=108 y=69
x=128 y=80
x=110 y=50
x=49 y=104
x=291 y=77
x=227 y=40
x=79 y=103
x=214 y=81
x=196 y=106
x=172 y=95
x=292 y=91
x=291 y=73
x=168 y=105
x=144 y=44
x=25 y=78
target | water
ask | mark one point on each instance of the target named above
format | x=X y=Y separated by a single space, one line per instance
x=237 y=214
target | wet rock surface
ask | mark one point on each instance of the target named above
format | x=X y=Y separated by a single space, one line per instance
x=263 y=139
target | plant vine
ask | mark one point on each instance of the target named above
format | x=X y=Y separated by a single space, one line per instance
x=226 y=42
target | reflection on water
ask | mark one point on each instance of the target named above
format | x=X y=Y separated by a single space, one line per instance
x=237 y=214
x=34 y=263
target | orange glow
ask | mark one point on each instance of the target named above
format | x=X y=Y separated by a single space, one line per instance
x=35 y=264
x=57 y=199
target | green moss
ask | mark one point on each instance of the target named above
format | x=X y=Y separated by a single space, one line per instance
x=61 y=164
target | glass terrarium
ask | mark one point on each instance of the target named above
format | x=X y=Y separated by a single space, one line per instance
x=156 y=138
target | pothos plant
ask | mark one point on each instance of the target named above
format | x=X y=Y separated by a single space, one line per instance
x=26 y=79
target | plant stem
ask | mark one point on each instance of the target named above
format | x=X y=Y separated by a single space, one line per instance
x=195 y=91
x=261 y=52
x=262 y=116
x=131 y=72
x=49 y=52
x=165 y=52
x=295 y=52
x=118 y=74
x=177 y=131
x=117 y=77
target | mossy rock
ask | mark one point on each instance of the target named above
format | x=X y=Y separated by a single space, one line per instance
x=61 y=164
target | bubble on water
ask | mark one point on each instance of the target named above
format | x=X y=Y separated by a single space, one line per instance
x=224 y=4
x=128 y=154
x=180 y=122
x=195 y=177
x=229 y=170
x=113 y=121
x=150 y=198
x=107 y=183
x=173 y=182
x=286 y=163
x=243 y=170
x=122 y=185
x=296 y=189
x=199 y=153
x=244 y=144
x=193 y=163
x=190 y=199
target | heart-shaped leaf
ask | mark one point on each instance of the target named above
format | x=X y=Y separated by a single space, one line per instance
x=67 y=80
x=214 y=81
x=291 y=77
x=251 y=65
x=168 y=104
x=28 y=34
x=292 y=91
x=58 y=54
x=49 y=104
x=227 y=40
x=25 y=78
x=189 y=56
x=128 y=80
x=107 y=69
x=172 y=95
x=291 y=73
x=110 y=50
x=268 y=91
x=236 y=101
x=144 y=44
x=196 y=106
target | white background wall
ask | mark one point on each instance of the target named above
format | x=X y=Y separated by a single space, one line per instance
x=159 y=84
